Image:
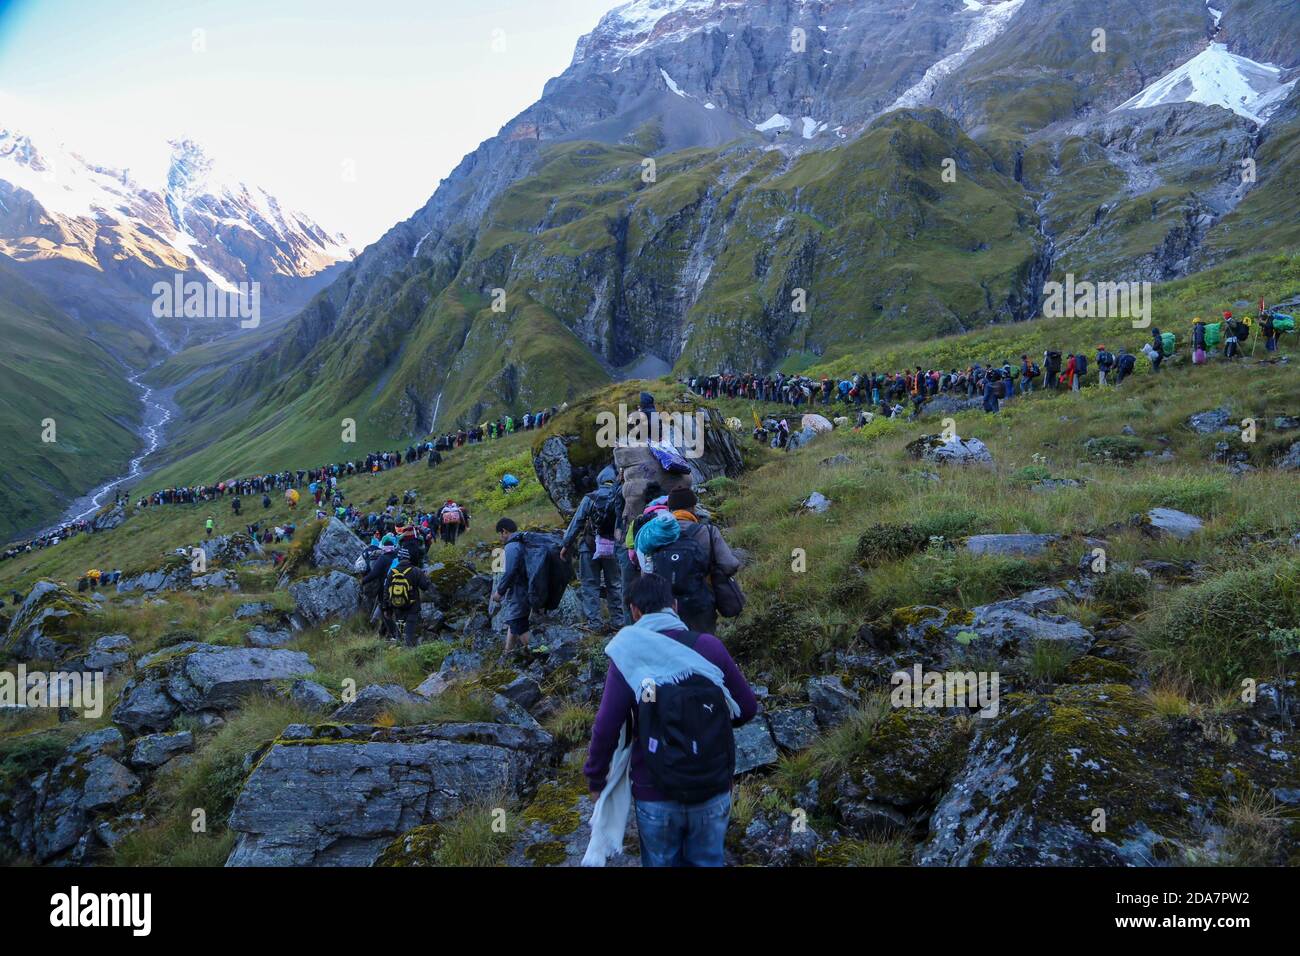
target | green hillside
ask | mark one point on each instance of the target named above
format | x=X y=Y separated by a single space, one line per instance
x=50 y=368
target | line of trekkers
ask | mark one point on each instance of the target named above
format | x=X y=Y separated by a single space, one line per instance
x=655 y=572
x=890 y=392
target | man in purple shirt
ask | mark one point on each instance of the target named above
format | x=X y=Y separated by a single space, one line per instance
x=672 y=833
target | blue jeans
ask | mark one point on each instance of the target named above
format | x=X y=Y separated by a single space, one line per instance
x=683 y=834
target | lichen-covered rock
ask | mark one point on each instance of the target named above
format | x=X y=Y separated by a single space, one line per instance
x=310 y=695
x=1089 y=776
x=108 y=655
x=831 y=700
x=339 y=795
x=936 y=638
x=328 y=597
x=201 y=677
x=266 y=638
x=754 y=746
x=63 y=803
x=793 y=728
x=48 y=624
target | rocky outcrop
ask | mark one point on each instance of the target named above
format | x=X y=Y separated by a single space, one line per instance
x=53 y=816
x=337 y=795
x=201 y=677
x=48 y=623
x=935 y=638
x=1084 y=776
x=328 y=597
x=571 y=453
x=337 y=547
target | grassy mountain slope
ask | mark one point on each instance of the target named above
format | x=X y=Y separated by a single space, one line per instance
x=1175 y=647
x=51 y=369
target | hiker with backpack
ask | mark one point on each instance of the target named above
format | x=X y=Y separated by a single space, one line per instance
x=525 y=585
x=1155 y=351
x=453 y=519
x=1052 y=369
x=595 y=527
x=373 y=565
x=1125 y=363
x=663 y=736
x=402 y=586
x=700 y=565
x=1029 y=371
x=1105 y=362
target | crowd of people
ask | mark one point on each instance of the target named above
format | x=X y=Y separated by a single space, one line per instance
x=320 y=482
x=890 y=393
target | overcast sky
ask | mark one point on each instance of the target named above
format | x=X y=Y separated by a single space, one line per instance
x=289 y=94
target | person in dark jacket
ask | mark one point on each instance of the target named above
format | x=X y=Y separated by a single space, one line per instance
x=407 y=619
x=511 y=589
x=672 y=833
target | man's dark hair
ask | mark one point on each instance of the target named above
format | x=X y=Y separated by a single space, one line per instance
x=506 y=524
x=650 y=593
x=682 y=499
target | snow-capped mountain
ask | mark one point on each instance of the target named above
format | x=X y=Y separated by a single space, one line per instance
x=89 y=234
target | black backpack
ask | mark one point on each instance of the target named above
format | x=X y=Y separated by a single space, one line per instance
x=1127 y=362
x=1054 y=359
x=685 y=565
x=685 y=734
x=603 y=518
x=548 y=574
x=1080 y=364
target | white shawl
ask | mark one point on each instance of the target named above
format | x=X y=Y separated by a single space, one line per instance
x=645 y=656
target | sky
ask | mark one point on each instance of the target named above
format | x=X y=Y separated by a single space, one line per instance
x=347 y=111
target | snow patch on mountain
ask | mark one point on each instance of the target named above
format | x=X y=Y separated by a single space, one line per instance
x=775 y=121
x=988 y=21
x=1216 y=77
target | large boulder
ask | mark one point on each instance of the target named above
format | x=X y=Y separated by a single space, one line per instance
x=108 y=654
x=950 y=451
x=110 y=519
x=1212 y=422
x=1086 y=776
x=328 y=597
x=201 y=677
x=1170 y=521
x=48 y=624
x=937 y=639
x=60 y=806
x=174 y=575
x=338 y=795
x=337 y=547
x=570 y=453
